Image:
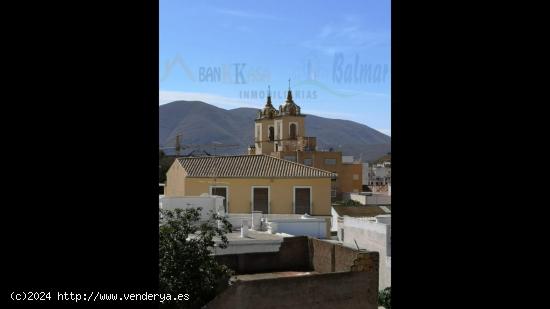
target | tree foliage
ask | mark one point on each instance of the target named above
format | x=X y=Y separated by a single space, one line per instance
x=384 y=298
x=351 y=202
x=186 y=263
x=164 y=164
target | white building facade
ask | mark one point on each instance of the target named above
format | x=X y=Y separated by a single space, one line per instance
x=372 y=234
x=379 y=174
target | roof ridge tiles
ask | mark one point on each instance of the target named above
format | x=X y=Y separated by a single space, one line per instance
x=260 y=165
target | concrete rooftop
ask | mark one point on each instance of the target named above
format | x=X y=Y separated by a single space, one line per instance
x=255 y=236
x=272 y=275
x=255 y=242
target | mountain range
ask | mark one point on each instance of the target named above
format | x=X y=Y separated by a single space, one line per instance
x=199 y=123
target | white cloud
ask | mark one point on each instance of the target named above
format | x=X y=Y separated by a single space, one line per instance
x=348 y=34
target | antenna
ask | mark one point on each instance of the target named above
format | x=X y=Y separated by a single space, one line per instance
x=268 y=91
x=289 y=84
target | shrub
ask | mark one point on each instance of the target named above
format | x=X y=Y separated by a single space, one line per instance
x=384 y=298
x=186 y=263
x=351 y=203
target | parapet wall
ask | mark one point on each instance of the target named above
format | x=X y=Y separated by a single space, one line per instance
x=328 y=257
x=298 y=254
x=320 y=291
x=293 y=255
x=371 y=236
x=343 y=277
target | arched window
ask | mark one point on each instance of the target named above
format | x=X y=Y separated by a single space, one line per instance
x=271 y=134
x=292 y=131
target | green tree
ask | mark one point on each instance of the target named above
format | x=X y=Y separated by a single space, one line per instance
x=384 y=298
x=164 y=164
x=351 y=203
x=186 y=263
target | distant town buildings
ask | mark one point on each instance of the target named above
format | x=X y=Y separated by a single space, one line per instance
x=281 y=133
x=379 y=174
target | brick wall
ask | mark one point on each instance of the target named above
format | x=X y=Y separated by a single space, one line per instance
x=320 y=291
x=329 y=257
x=322 y=256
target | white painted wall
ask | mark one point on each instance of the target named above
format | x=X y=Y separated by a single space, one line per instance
x=313 y=227
x=347 y=159
x=365 y=174
x=253 y=246
x=386 y=219
x=208 y=203
x=373 y=236
x=253 y=243
x=381 y=173
x=374 y=199
x=334 y=219
x=290 y=224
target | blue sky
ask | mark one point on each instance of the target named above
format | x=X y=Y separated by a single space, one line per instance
x=226 y=53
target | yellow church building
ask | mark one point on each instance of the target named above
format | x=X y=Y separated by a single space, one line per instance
x=281 y=133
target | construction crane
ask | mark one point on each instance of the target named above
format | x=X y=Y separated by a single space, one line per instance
x=178 y=146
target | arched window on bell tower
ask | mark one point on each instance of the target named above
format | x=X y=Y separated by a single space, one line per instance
x=271 y=134
x=292 y=131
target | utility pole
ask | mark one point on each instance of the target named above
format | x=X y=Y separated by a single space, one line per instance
x=178 y=145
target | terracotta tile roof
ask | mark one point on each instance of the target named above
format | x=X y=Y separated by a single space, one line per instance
x=257 y=166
